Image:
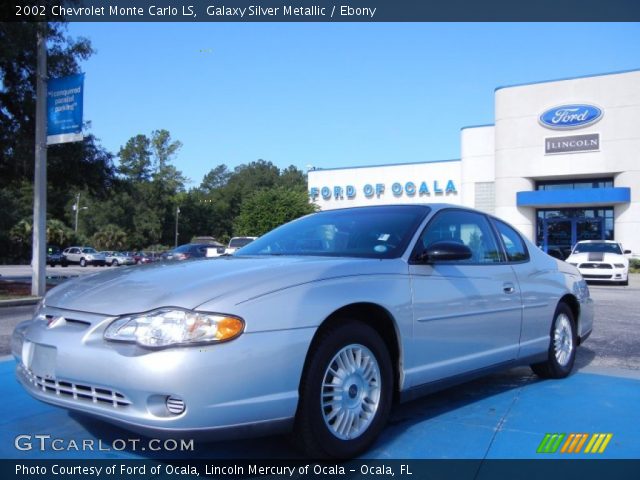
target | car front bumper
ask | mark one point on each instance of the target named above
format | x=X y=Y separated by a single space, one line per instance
x=248 y=386
x=605 y=274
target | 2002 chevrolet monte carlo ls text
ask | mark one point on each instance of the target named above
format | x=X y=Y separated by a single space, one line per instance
x=317 y=327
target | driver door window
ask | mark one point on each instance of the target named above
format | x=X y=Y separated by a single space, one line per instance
x=469 y=228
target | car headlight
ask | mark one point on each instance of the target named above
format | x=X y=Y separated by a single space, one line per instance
x=173 y=327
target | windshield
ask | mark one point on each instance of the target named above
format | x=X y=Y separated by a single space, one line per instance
x=240 y=242
x=372 y=232
x=598 y=247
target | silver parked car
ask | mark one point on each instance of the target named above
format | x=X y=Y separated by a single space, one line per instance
x=317 y=327
x=115 y=259
x=83 y=256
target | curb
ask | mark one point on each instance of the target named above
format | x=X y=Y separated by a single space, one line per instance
x=19 y=302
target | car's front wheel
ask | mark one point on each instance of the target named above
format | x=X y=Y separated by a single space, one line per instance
x=562 y=347
x=345 y=393
x=83 y=262
x=115 y=263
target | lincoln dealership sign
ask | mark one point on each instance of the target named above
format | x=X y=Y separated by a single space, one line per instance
x=378 y=190
x=567 y=117
x=572 y=144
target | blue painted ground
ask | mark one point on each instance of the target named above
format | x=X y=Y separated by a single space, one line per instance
x=500 y=417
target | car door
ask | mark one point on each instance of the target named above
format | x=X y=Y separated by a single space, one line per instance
x=467 y=313
x=73 y=255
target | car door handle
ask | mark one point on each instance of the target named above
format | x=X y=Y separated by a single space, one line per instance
x=508 y=288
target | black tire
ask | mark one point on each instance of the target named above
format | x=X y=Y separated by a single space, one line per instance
x=313 y=430
x=83 y=262
x=625 y=283
x=558 y=365
x=115 y=263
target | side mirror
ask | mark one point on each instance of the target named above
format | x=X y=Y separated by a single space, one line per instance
x=627 y=252
x=444 y=251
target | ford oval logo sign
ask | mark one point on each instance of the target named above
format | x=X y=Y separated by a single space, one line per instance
x=566 y=117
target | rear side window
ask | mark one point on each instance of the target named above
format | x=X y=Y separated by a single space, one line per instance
x=513 y=243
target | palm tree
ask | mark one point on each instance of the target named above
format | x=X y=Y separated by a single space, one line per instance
x=58 y=233
x=110 y=237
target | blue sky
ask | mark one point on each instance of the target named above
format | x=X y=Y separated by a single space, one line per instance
x=327 y=95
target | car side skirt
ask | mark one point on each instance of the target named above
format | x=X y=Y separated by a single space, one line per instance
x=435 y=386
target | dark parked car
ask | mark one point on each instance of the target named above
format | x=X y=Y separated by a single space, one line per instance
x=187 y=251
x=54 y=256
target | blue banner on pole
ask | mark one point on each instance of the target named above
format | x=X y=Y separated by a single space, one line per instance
x=64 y=109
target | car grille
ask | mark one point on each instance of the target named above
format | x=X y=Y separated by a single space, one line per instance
x=597 y=277
x=596 y=265
x=76 y=391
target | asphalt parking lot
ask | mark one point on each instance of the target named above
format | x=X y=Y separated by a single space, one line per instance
x=505 y=415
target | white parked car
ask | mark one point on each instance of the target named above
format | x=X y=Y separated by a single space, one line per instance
x=237 y=243
x=602 y=260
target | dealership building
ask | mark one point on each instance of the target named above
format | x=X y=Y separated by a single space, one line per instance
x=561 y=163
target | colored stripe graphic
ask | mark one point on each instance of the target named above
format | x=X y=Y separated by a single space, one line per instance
x=598 y=443
x=574 y=442
x=550 y=442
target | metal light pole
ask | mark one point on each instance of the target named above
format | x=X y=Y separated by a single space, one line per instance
x=177 y=216
x=39 y=254
x=76 y=207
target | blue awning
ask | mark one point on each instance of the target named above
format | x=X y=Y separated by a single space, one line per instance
x=574 y=197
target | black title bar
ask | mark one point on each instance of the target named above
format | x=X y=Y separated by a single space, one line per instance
x=321 y=10
x=313 y=470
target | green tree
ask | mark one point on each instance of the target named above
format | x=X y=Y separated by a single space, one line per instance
x=58 y=233
x=135 y=159
x=269 y=208
x=18 y=58
x=21 y=232
x=163 y=148
x=293 y=178
x=216 y=178
x=21 y=235
x=110 y=237
x=72 y=166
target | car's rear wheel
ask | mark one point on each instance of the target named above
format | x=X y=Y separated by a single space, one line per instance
x=345 y=393
x=83 y=262
x=115 y=263
x=562 y=346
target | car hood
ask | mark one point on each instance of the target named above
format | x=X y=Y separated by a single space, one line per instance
x=597 y=257
x=191 y=283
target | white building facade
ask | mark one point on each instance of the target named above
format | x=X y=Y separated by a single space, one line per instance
x=561 y=163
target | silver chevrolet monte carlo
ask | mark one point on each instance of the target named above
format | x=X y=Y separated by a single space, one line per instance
x=317 y=327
